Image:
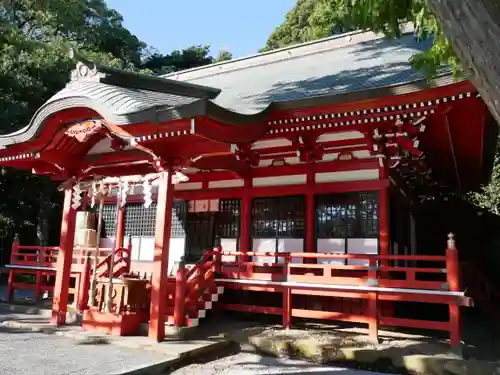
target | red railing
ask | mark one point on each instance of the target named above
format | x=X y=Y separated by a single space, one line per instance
x=375 y=282
x=41 y=261
x=190 y=285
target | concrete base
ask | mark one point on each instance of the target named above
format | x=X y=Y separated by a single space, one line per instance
x=113 y=324
x=172 y=333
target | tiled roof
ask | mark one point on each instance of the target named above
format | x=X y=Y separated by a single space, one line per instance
x=350 y=62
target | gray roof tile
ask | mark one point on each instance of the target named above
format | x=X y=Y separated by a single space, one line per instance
x=350 y=62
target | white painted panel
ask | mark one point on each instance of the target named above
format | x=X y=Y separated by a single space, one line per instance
x=147 y=246
x=328 y=137
x=229 y=244
x=361 y=246
x=136 y=247
x=271 y=143
x=358 y=175
x=291 y=245
x=177 y=248
x=264 y=245
x=107 y=243
x=188 y=186
x=332 y=246
x=296 y=179
x=226 y=184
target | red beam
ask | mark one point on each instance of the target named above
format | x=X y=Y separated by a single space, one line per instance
x=275 y=191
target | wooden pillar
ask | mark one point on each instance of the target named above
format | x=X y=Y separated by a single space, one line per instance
x=384 y=208
x=64 y=259
x=246 y=219
x=120 y=228
x=165 y=201
x=310 y=240
x=453 y=281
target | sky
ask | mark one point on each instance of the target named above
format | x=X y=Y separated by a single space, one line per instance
x=238 y=26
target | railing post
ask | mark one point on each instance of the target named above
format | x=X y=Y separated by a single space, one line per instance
x=13 y=254
x=180 y=294
x=217 y=255
x=287 y=294
x=129 y=248
x=38 y=276
x=83 y=288
x=453 y=281
x=373 y=311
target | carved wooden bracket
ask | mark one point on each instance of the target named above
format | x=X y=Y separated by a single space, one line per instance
x=82 y=131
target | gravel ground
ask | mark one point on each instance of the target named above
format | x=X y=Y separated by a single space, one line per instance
x=253 y=364
x=45 y=354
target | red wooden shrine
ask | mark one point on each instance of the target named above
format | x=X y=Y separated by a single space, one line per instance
x=299 y=203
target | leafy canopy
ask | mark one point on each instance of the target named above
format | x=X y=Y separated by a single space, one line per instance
x=313 y=19
x=35 y=37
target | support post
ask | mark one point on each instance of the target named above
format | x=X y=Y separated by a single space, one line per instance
x=384 y=225
x=245 y=220
x=120 y=227
x=64 y=259
x=287 y=295
x=453 y=281
x=218 y=255
x=83 y=288
x=373 y=310
x=180 y=295
x=129 y=248
x=158 y=309
x=13 y=254
x=38 y=276
x=310 y=243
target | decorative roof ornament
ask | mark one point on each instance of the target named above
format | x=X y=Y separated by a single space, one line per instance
x=85 y=69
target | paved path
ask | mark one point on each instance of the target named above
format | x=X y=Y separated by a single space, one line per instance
x=252 y=364
x=32 y=353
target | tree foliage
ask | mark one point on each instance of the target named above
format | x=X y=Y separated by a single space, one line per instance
x=313 y=19
x=35 y=37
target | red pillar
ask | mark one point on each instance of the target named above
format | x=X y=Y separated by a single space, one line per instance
x=310 y=242
x=159 y=280
x=64 y=260
x=120 y=227
x=246 y=218
x=384 y=204
x=453 y=280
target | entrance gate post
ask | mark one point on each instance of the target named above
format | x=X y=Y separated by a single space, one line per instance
x=159 y=282
x=64 y=259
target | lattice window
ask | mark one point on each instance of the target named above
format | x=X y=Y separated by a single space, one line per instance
x=108 y=220
x=179 y=214
x=141 y=221
x=280 y=217
x=227 y=222
x=331 y=216
x=350 y=215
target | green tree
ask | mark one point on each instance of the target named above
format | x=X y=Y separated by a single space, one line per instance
x=466 y=33
x=223 y=56
x=35 y=37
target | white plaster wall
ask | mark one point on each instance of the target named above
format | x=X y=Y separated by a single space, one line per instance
x=229 y=244
x=361 y=246
x=264 y=245
x=291 y=245
x=331 y=246
x=143 y=249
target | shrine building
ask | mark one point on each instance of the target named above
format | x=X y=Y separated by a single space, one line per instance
x=305 y=168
